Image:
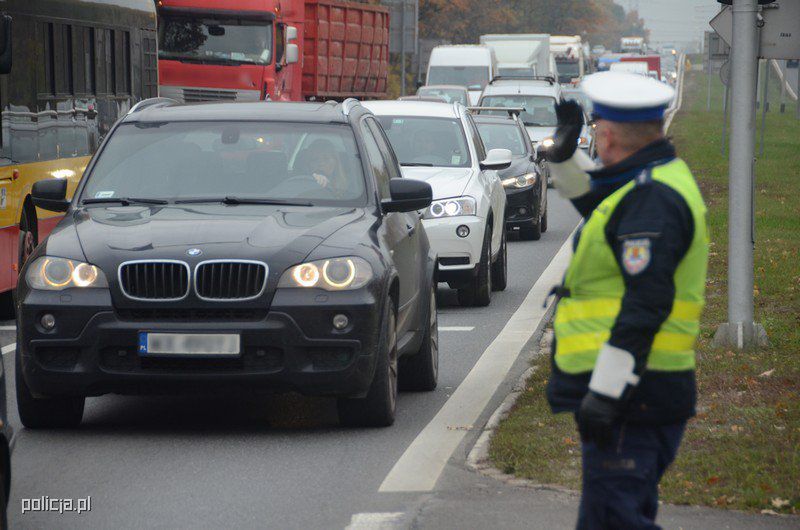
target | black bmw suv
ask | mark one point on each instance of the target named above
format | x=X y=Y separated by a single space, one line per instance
x=231 y=246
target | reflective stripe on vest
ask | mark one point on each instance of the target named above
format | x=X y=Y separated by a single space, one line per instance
x=584 y=319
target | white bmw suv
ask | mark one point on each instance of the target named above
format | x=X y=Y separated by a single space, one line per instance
x=440 y=144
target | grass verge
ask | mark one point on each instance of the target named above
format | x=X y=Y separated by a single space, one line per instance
x=742 y=451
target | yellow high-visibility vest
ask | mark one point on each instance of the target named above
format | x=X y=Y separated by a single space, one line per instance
x=584 y=319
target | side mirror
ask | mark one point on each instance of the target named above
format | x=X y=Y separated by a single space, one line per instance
x=497 y=159
x=408 y=195
x=5 y=44
x=292 y=53
x=50 y=194
x=291 y=33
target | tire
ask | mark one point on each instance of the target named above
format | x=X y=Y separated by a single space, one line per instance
x=421 y=370
x=500 y=267
x=532 y=232
x=3 y=503
x=543 y=221
x=479 y=292
x=45 y=413
x=377 y=408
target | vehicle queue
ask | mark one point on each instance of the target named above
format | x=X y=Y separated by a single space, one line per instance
x=279 y=246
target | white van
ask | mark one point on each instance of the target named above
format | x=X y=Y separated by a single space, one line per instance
x=631 y=67
x=468 y=65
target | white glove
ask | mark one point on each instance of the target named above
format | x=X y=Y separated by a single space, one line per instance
x=570 y=177
x=613 y=371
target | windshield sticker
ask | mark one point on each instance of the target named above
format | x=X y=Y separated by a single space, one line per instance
x=455 y=159
x=397 y=121
x=103 y=194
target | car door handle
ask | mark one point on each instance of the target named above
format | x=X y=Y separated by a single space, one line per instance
x=411 y=229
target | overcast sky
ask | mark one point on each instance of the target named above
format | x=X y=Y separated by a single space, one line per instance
x=674 y=21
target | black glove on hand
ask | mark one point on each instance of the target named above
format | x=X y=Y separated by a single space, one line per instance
x=597 y=418
x=570 y=123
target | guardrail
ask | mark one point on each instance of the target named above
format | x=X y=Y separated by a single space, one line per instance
x=676 y=103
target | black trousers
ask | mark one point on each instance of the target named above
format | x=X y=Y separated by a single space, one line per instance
x=620 y=485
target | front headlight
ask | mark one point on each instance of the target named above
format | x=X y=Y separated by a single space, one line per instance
x=547 y=143
x=522 y=181
x=335 y=274
x=49 y=273
x=451 y=208
x=583 y=141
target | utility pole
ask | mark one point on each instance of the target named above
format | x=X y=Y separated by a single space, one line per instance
x=741 y=332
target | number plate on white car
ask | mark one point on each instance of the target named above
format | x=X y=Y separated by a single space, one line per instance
x=189 y=344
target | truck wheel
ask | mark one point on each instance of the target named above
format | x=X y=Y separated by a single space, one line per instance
x=500 y=267
x=479 y=290
x=45 y=413
x=377 y=408
x=27 y=236
x=421 y=370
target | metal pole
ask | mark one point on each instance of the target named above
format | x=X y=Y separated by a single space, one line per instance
x=740 y=331
x=764 y=106
x=783 y=85
x=402 y=47
x=759 y=85
x=725 y=100
x=709 y=72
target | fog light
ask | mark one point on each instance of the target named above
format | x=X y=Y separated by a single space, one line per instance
x=340 y=321
x=462 y=231
x=48 y=321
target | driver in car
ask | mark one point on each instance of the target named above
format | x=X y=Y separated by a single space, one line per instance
x=326 y=168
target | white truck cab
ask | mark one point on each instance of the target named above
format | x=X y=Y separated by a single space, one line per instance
x=470 y=65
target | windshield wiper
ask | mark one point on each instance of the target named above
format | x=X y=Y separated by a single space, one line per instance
x=416 y=164
x=124 y=201
x=245 y=200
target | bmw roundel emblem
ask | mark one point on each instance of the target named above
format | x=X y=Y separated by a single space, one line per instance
x=194 y=252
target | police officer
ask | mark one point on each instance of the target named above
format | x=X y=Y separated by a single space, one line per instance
x=629 y=307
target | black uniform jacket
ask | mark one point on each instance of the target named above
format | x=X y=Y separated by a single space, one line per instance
x=654 y=211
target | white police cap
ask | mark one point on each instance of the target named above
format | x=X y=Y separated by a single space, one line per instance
x=625 y=97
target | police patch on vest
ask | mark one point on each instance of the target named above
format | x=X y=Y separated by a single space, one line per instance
x=635 y=255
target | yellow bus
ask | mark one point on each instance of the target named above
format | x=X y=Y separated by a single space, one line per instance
x=68 y=70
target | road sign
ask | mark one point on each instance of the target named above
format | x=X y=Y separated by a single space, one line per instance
x=780 y=29
x=725 y=73
x=403 y=19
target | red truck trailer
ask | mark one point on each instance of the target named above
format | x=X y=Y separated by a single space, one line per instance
x=653 y=62
x=288 y=50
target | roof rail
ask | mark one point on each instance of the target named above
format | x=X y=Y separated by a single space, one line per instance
x=513 y=112
x=549 y=78
x=431 y=99
x=348 y=104
x=153 y=102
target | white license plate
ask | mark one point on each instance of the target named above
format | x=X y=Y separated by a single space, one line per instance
x=200 y=344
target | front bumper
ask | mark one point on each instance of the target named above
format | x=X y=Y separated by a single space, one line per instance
x=458 y=256
x=292 y=346
x=522 y=206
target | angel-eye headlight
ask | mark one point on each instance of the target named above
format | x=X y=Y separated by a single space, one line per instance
x=547 y=143
x=335 y=274
x=521 y=181
x=49 y=273
x=451 y=207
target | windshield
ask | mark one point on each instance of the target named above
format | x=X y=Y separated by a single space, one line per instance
x=567 y=70
x=540 y=111
x=215 y=40
x=472 y=77
x=515 y=72
x=310 y=162
x=580 y=97
x=503 y=136
x=427 y=141
x=448 y=94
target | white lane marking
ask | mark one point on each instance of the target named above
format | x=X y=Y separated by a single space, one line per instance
x=456 y=328
x=423 y=461
x=8 y=328
x=8 y=348
x=375 y=521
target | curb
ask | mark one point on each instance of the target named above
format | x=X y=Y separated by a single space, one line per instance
x=478 y=457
